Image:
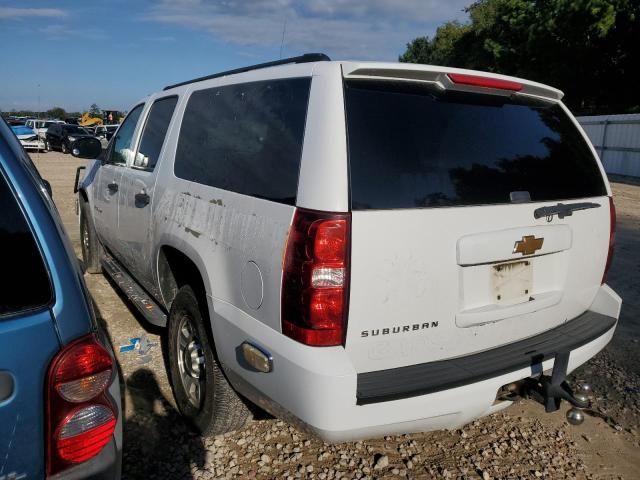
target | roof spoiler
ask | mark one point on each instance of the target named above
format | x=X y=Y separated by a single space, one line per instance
x=445 y=78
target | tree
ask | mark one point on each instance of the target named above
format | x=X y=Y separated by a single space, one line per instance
x=94 y=110
x=587 y=48
x=56 y=112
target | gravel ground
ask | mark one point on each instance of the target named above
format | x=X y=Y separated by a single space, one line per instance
x=520 y=442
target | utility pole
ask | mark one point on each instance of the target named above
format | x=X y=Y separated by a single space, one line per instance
x=284 y=29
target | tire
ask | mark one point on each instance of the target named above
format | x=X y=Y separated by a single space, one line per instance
x=63 y=147
x=47 y=146
x=216 y=408
x=91 y=248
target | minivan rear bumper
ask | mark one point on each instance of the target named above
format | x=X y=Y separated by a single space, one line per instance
x=318 y=389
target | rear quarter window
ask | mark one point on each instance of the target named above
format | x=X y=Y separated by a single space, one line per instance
x=246 y=138
x=413 y=147
x=26 y=285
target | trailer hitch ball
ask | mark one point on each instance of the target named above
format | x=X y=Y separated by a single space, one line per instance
x=581 y=397
x=585 y=388
x=575 y=416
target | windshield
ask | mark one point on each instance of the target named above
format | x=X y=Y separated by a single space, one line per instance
x=412 y=147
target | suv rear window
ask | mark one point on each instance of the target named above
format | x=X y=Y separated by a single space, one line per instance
x=412 y=147
x=27 y=285
x=246 y=138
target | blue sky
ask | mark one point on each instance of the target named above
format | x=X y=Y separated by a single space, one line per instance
x=113 y=52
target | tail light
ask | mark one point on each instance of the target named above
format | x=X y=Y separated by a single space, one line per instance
x=612 y=238
x=80 y=416
x=315 y=279
x=484 y=82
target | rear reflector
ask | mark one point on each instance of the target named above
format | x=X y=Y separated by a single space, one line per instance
x=485 y=82
x=81 y=417
x=612 y=238
x=315 y=278
x=85 y=432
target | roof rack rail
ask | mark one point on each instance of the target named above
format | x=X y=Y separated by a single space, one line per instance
x=306 y=58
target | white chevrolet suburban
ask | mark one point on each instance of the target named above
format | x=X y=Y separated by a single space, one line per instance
x=358 y=248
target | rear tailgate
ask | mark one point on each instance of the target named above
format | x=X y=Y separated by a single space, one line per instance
x=448 y=258
x=28 y=340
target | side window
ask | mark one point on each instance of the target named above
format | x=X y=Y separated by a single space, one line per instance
x=29 y=287
x=154 y=133
x=121 y=149
x=246 y=138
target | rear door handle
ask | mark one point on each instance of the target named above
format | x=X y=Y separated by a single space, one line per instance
x=142 y=199
x=113 y=187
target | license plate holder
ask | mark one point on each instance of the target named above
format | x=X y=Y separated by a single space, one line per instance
x=512 y=282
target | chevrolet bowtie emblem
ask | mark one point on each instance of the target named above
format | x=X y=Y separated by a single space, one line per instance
x=528 y=245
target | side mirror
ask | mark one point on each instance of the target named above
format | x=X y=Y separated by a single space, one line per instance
x=47 y=187
x=87 y=147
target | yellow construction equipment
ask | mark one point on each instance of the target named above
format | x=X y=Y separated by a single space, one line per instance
x=88 y=121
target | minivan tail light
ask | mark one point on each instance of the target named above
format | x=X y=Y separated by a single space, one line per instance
x=485 y=82
x=81 y=417
x=612 y=238
x=315 y=278
x=83 y=434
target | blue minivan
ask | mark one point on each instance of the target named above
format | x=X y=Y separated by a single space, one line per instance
x=60 y=406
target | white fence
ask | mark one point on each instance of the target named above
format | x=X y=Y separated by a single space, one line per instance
x=616 y=138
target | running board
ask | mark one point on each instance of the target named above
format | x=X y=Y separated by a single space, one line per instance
x=149 y=309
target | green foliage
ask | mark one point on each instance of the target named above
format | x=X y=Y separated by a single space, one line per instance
x=56 y=112
x=587 y=48
x=95 y=111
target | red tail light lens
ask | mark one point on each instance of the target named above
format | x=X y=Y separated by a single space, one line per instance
x=612 y=238
x=84 y=433
x=485 y=82
x=315 y=280
x=80 y=416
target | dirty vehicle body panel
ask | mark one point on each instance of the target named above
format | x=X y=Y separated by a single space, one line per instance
x=463 y=273
x=43 y=309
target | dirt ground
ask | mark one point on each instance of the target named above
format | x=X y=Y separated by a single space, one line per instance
x=520 y=442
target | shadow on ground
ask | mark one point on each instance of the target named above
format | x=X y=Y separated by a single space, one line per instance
x=158 y=444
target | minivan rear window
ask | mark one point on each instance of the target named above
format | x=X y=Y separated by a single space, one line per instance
x=246 y=138
x=412 y=147
x=27 y=284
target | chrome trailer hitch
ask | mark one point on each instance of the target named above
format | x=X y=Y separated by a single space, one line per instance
x=551 y=390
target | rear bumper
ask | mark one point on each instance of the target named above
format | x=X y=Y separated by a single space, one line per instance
x=426 y=378
x=318 y=389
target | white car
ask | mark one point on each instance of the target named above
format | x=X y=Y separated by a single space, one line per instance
x=28 y=138
x=104 y=133
x=359 y=248
x=41 y=126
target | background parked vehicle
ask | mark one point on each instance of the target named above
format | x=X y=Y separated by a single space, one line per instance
x=41 y=126
x=28 y=138
x=60 y=406
x=104 y=133
x=60 y=136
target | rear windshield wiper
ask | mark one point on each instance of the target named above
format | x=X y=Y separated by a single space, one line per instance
x=562 y=209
